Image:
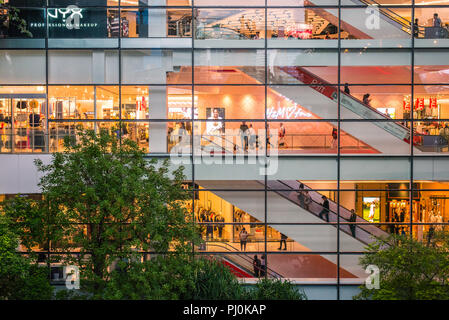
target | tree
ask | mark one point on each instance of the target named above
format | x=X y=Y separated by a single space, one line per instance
x=408 y=269
x=104 y=202
x=10 y=19
x=20 y=277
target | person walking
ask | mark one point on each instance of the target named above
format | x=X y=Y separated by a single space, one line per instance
x=243 y=236
x=252 y=137
x=283 y=241
x=353 y=219
x=244 y=136
x=325 y=211
x=334 y=138
x=416 y=28
x=281 y=136
x=256 y=266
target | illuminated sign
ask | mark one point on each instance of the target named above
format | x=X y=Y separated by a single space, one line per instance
x=294 y=112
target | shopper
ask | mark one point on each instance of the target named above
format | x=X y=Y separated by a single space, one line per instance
x=334 y=138
x=347 y=91
x=300 y=193
x=325 y=211
x=353 y=219
x=436 y=22
x=281 y=136
x=252 y=137
x=283 y=241
x=256 y=266
x=263 y=266
x=244 y=136
x=416 y=29
x=243 y=236
x=307 y=200
x=366 y=99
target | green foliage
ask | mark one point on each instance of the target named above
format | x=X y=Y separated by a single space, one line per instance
x=276 y=289
x=10 y=18
x=409 y=269
x=214 y=281
x=20 y=279
x=103 y=198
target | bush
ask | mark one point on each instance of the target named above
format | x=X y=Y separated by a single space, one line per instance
x=276 y=289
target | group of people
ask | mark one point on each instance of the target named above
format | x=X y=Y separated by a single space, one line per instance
x=436 y=22
x=305 y=200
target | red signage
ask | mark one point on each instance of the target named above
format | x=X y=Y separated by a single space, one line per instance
x=433 y=103
x=406 y=104
x=419 y=104
x=312 y=80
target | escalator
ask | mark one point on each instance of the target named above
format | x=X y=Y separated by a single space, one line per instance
x=301 y=225
x=239 y=263
x=321 y=98
x=362 y=26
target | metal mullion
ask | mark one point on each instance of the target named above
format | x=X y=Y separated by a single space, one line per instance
x=338 y=148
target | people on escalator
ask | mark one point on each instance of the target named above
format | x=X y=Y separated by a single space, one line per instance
x=283 y=241
x=347 y=91
x=301 y=197
x=256 y=266
x=263 y=266
x=243 y=236
x=353 y=219
x=325 y=211
x=366 y=99
x=307 y=200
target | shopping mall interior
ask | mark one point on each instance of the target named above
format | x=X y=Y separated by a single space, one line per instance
x=260 y=101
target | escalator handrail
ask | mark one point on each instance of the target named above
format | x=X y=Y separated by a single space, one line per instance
x=245 y=257
x=404 y=22
x=347 y=220
x=350 y=96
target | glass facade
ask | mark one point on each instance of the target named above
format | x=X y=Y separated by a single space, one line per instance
x=261 y=101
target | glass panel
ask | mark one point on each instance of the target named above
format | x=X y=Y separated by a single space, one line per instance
x=306 y=66
x=363 y=66
x=17 y=67
x=230 y=24
x=431 y=66
x=364 y=137
x=431 y=136
x=309 y=267
x=374 y=168
x=158 y=66
x=79 y=67
x=301 y=23
x=377 y=23
x=433 y=21
x=229 y=102
x=150 y=23
x=229 y=66
x=375 y=102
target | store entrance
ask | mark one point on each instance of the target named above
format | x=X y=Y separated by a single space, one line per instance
x=22 y=123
